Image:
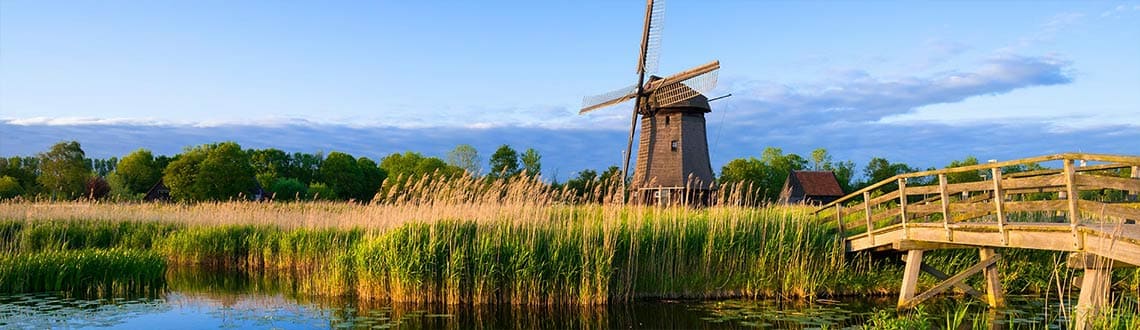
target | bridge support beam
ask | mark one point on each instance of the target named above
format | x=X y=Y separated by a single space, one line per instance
x=994 y=295
x=1094 y=287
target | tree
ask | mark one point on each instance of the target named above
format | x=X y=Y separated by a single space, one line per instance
x=269 y=164
x=465 y=156
x=64 y=170
x=182 y=174
x=820 y=159
x=26 y=172
x=532 y=162
x=401 y=168
x=504 y=162
x=373 y=177
x=138 y=171
x=341 y=173
x=103 y=167
x=210 y=172
x=765 y=176
x=225 y=173
x=879 y=169
x=97 y=188
x=285 y=189
x=304 y=167
x=968 y=176
x=321 y=191
x=10 y=187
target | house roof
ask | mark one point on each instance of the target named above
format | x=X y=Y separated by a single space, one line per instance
x=818 y=183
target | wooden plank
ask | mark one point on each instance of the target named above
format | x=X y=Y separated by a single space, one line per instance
x=995 y=295
x=910 y=278
x=1081 y=260
x=839 y=219
x=944 y=195
x=1112 y=210
x=968 y=186
x=941 y=276
x=1102 y=182
x=946 y=284
x=907 y=245
x=1129 y=160
x=921 y=190
x=1135 y=194
x=1035 y=206
x=1039 y=182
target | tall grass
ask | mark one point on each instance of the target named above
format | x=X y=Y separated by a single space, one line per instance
x=83 y=272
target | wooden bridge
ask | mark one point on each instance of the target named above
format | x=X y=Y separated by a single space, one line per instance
x=1038 y=209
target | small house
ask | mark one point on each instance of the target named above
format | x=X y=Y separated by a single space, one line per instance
x=810 y=187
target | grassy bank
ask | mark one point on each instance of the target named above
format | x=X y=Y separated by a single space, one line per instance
x=483 y=253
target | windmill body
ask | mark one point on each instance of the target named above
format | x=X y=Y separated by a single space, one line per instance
x=672 y=155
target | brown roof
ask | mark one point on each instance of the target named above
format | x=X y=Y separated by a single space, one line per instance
x=818 y=183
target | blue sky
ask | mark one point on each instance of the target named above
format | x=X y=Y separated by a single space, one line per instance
x=919 y=82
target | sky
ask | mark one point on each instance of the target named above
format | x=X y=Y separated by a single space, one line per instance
x=918 y=82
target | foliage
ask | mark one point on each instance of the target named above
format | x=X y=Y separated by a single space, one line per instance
x=97 y=188
x=24 y=170
x=342 y=173
x=83 y=272
x=412 y=166
x=288 y=189
x=104 y=167
x=879 y=169
x=9 y=187
x=372 y=178
x=321 y=191
x=967 y=176
x=210 y=172
x=504 y=162
x=531 y=162
x=465 y=156
x=138 y=171
x=64 y=170
x=764 y=176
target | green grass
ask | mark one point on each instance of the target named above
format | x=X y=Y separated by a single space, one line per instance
x=83 y=272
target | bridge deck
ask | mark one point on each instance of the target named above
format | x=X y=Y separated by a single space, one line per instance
x=1115 y=241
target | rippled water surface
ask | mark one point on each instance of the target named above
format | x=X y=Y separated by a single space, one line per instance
x=214 y=300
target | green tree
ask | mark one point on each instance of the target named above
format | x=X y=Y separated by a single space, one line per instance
x=764 y=176
x=288 y=189
x=182 y=174
x=321 y=192
x=373 y=177
x=968 y=176
x=210 y=172
x=504 y=162
x=64 y=170
x=25 y=170
x=138 y=171
x=225 y=173
x=820 y=159
x=10 y=187
x=532 y=162
x=465 y=156
x=341 y=173
x=402 y=168
x=304 y=167
x=269 y=164
x=879 y=169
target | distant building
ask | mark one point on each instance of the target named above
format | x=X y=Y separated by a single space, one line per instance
x=810 y=187
x=158 y=193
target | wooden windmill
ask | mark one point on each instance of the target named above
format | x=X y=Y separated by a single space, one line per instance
x=672 y=154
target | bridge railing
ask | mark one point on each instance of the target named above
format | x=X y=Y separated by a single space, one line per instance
x=1042 y=195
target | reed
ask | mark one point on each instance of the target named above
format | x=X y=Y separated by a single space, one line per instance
x=89 y=273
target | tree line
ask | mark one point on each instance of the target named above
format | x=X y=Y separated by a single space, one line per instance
x=225 y=171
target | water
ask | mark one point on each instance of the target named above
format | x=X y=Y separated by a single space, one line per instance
x=237 y=301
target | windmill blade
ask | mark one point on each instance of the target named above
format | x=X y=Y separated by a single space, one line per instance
x=591 y=103
x=685 y=85
x=681 y=91
x=651 y=37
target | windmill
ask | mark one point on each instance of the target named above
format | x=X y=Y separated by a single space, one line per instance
x=672 y=153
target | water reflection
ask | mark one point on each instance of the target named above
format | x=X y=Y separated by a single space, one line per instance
x=212 y=299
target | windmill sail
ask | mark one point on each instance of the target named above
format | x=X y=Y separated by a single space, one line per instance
x=685 y=85
x=591 y=103
x=651 y=40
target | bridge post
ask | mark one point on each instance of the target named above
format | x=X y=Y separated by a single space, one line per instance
x=910 y=278
x=867 y=213
x=902 y=207
x=1133 y=196
x=1073 y=197
x=999 y=204
x=1094 y=289
x=995 y=294
x=945 y=196
x=839 y=220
